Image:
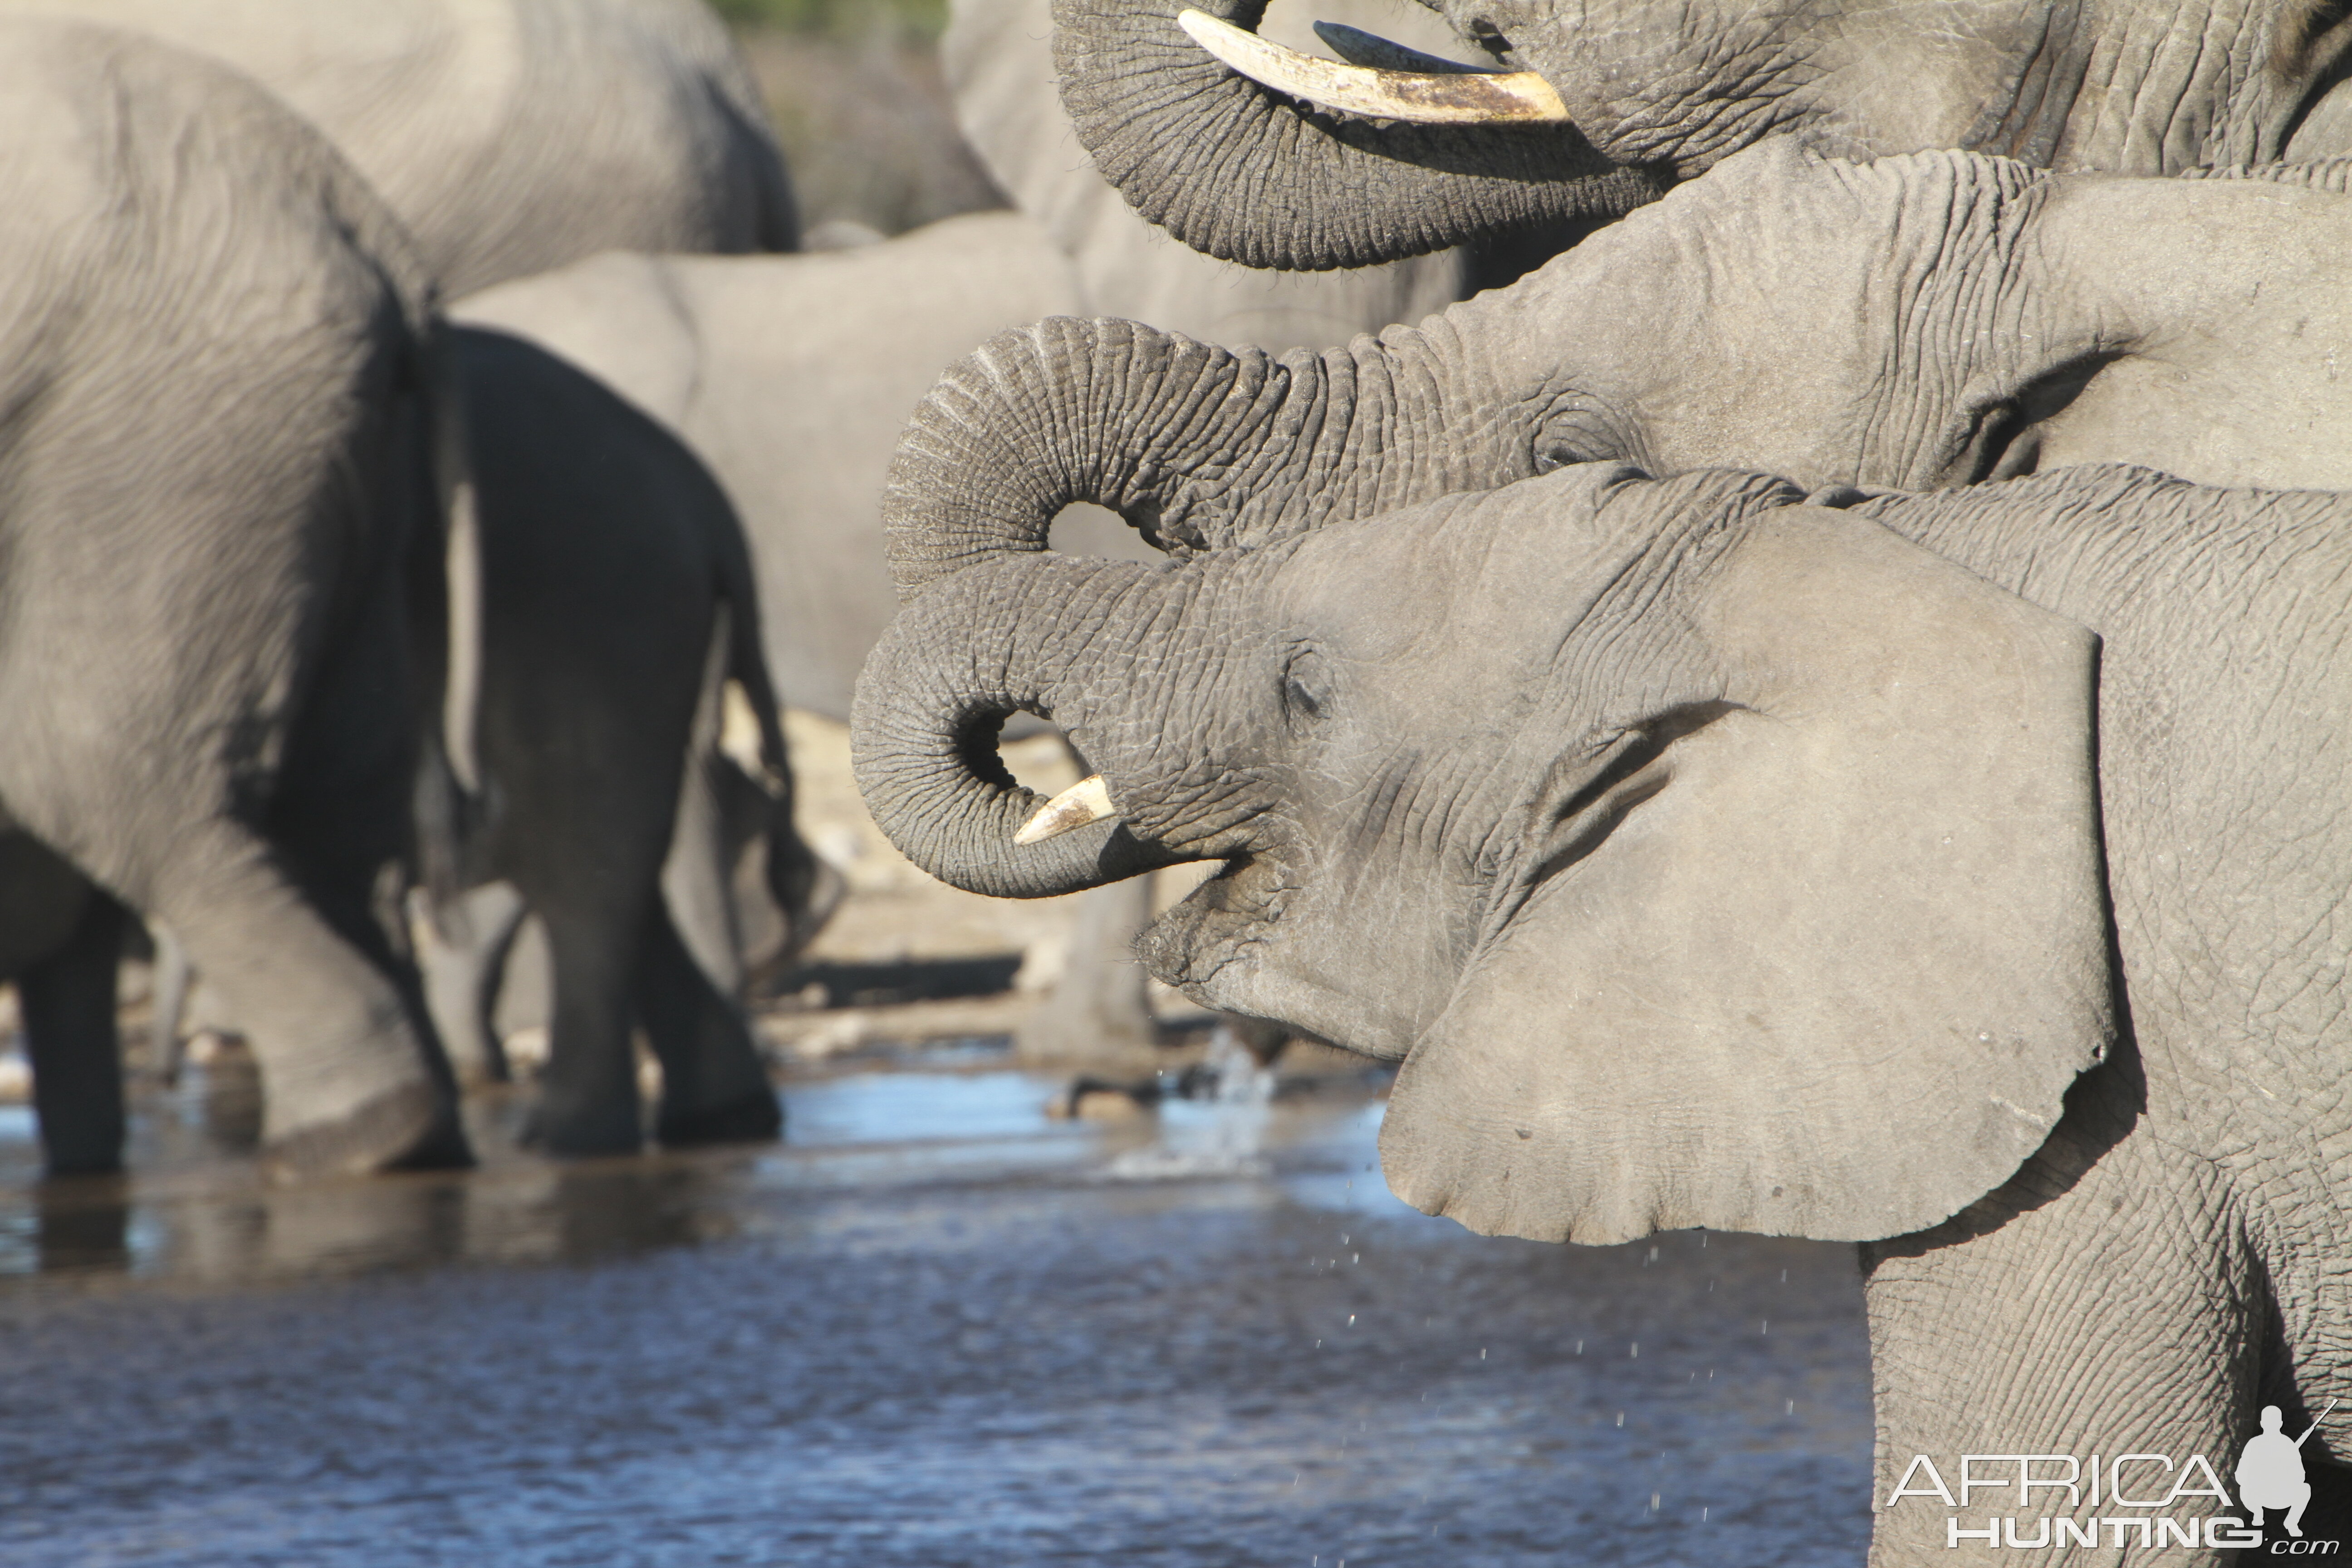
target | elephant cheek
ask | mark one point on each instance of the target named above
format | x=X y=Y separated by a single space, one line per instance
x=1281 y=969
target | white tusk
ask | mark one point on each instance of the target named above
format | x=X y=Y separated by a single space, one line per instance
x=1088 y=800
x=1426 y=98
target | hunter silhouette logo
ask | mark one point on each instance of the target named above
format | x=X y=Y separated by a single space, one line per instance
x=2119 y=1500
x=2270 y=1471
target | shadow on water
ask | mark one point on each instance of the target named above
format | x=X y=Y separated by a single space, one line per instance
x=935 y=1330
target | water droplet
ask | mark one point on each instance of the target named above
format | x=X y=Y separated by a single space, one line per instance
x=1653 y=1502
x=1637 y=1350
x=1580 y=1347
x=1482 y=1353
x=1767 y=1327
x=1792 y=1408
x=1620 y=1418
x=1351 y=1319
x=1355 y=1257
x=1702 y=1514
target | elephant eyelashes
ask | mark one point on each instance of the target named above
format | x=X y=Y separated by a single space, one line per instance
x=1305 y=690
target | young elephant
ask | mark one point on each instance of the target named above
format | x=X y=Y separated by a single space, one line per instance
x=1916 y=322
x=227 y=619
x=1961 y=874
x=618 y=598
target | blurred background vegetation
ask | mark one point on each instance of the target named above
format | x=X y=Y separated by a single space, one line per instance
x=925 y=17
x=854 y=89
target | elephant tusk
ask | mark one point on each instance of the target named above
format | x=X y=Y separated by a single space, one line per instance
x=1453 y=96
x=1088 y=800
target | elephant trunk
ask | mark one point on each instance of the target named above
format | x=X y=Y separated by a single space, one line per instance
x=1030 y=636
x=1198 y=447
x=1254 y=176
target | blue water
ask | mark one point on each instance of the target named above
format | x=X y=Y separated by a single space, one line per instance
x=936 y=1328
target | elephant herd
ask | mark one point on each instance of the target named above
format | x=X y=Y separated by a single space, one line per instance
x=1820 y=709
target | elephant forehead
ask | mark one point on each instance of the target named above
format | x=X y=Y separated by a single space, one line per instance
x=1486 y=583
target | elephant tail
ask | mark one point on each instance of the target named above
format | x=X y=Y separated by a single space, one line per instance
x=803 y=887
x=753 y=731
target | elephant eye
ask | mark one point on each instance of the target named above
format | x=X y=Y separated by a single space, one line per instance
x=1306 y=690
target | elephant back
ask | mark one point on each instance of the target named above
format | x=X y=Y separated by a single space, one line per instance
x=511 y=136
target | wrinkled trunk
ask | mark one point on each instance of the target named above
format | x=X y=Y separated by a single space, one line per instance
x=1254 y=176
x=1028 y=637
x=1198 y=447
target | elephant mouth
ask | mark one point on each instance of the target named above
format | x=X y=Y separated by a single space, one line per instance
x=1216 y=925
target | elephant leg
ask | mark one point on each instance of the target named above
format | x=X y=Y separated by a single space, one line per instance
x=715 y=1088
x=173 y=977
x=463 y=956
x=2093 y=1304
x=1101 y=1006
x=352 y=1078
x=588 y=1094
x=67 y=999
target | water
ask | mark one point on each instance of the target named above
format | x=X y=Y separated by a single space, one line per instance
x=937 y=1330
x=1221 y=1133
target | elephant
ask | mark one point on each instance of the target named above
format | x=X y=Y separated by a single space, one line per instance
x=1921 y=321
x=792 y=376
x=1959 y=874
x=1253 y=154
x=998 y=58
x=236 y=669
x=511 y=136
x=618 y=600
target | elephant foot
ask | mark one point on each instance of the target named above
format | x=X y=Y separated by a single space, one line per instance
x=756 y=1118
x=407 y=1129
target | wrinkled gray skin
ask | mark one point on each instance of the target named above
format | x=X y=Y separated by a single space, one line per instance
x=511 y=136
x=227 y=624
x=1661 y=93
x=1488 y=775
x=617 y=597
x=1922 y=321
x=998 y=57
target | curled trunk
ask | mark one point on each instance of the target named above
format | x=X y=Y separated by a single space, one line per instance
x=1198 y=447
x=1020 y=638
x=1257 y=178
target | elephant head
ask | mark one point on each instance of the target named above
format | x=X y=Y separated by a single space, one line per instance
x=1708 y=857
x=1266 y=157
x=1921 y=321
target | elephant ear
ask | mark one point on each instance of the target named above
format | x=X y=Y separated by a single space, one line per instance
x=1817 y=960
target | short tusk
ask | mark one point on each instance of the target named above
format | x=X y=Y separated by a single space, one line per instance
x=1429 y=97
x=1088 y=800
